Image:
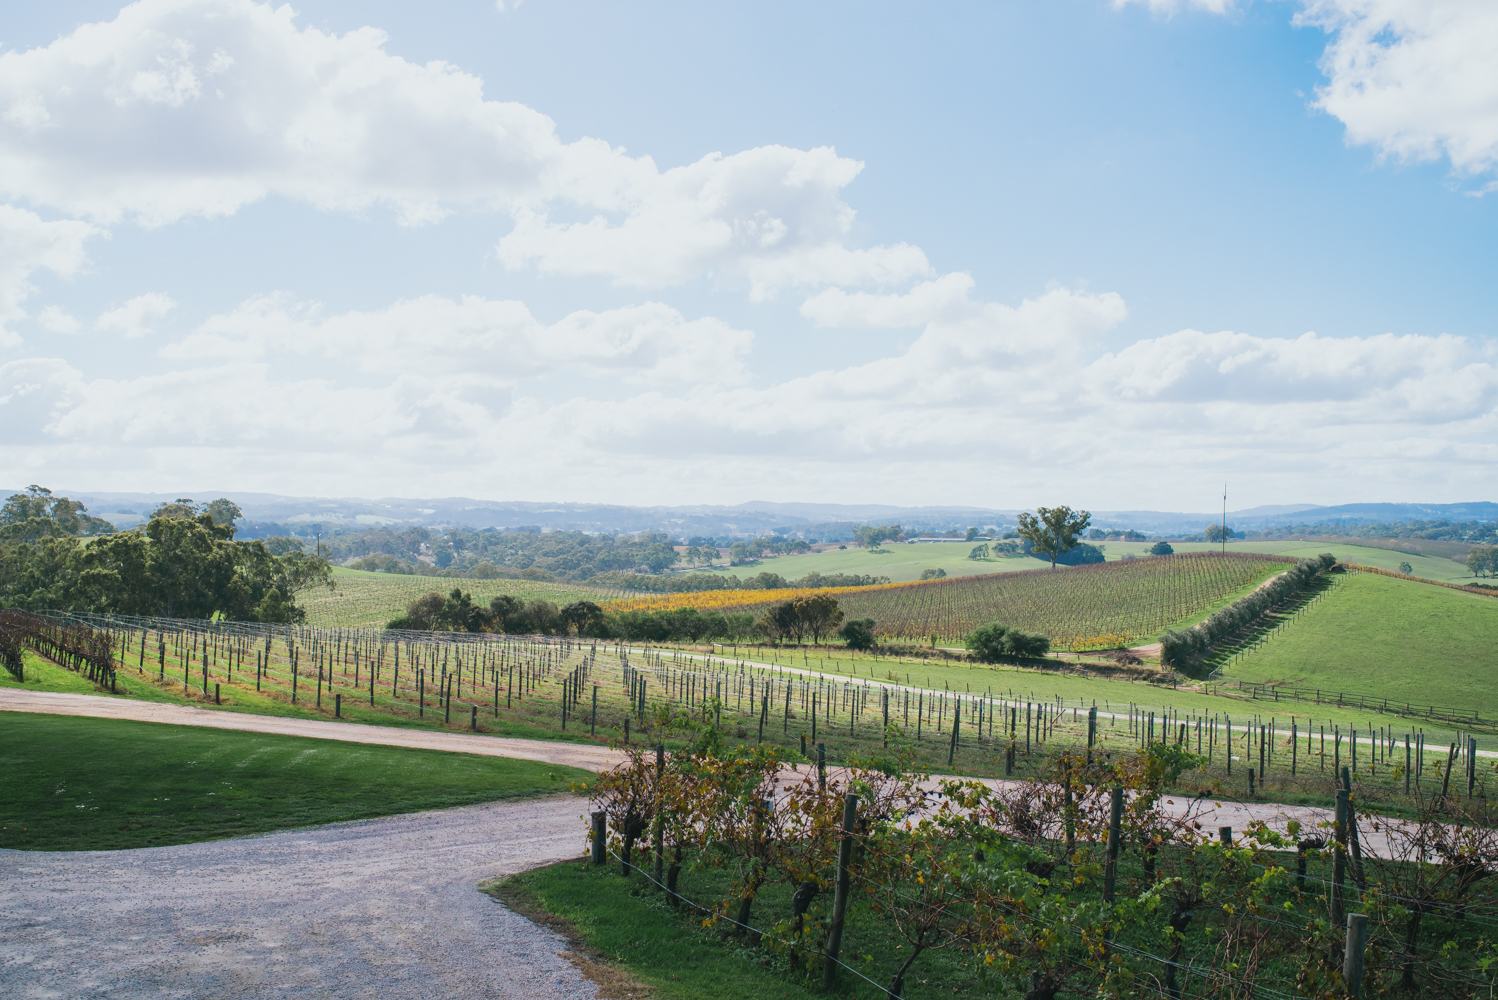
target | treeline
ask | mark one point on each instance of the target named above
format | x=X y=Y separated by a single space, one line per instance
x=1442 y=530
x=1178 y=647
x=183 y=563
x=1483 y=561
x=457 y=612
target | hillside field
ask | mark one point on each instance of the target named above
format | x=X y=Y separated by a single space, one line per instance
x=1429 y=567
x=1390 y=638
x=897 y=560
x=363 y=599
x=1100 y=606
x=901 y=562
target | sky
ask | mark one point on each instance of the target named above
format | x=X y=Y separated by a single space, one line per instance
x=1110 y=254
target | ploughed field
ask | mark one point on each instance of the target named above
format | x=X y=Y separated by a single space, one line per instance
x=1097 y=606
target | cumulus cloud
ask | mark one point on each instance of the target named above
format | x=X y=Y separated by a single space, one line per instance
x=137 y=317
x=477 y=341
x=771 y=215
x=1413 y=78
x=1005 y=399
x=28 y=243
x=55 y=319
x=182 y=108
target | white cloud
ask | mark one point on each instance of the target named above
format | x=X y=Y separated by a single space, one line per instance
x=137 y=317
x=1005 y=402
x=771 y=215
x=926 y=302
x=1415 y=79
x=57 y=320
x=478 y=342
x=27 y=242
x=182 y=108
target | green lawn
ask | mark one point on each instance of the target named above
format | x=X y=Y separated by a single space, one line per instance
x=74 y=784
x=1388 y=638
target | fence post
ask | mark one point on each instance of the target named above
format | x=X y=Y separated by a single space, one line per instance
x=1115 y=828
x=840 y=900
x=1250 y=782
x=658 y=841
x=473 y=718
x=822 y=766
x=1091 y=731
x=215 y=693
x=1339 y=857
x=956 y=719
x=1225 y=835
x=1352 y=960
x=598 y=838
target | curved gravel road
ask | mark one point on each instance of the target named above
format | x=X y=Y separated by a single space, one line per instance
x=372 y=909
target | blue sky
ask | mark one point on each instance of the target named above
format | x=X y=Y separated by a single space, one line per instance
x=1063 y=252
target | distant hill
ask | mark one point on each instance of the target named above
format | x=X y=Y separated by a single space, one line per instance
x=270 y=513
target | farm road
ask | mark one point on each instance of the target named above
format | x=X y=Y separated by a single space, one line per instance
x=382 y=908
x=587 y=756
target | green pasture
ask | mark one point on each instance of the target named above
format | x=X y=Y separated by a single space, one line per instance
x=1389 y=638
x=76 y=784
x=897 y=560
x=901 y=562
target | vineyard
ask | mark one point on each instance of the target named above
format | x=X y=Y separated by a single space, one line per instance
x=1098 y=606
x=369 y=600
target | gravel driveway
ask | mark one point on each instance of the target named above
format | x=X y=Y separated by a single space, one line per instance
x=372 y=909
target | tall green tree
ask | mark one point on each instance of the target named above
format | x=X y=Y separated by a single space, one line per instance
x=36 y=513
x=1054 y=531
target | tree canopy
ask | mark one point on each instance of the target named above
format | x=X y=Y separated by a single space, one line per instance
x=183 y=563
x=36 y=513
x=1054 y=531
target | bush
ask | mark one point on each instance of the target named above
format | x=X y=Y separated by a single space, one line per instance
x=1078 y=555
x=934 y=574
x=993 y=642
x=858 y=633
x=1162 y=549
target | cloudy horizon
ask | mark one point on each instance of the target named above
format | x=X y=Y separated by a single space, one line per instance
x=1108 y=254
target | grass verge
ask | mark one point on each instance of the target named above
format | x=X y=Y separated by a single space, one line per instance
x=105 y=784
x=627 y=939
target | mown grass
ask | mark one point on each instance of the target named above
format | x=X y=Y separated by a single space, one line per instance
x=1388 y=638
x=75 y=784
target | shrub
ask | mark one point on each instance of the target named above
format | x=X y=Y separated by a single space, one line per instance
x=858 y=633
x=1162 y=549
x=993 y=642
